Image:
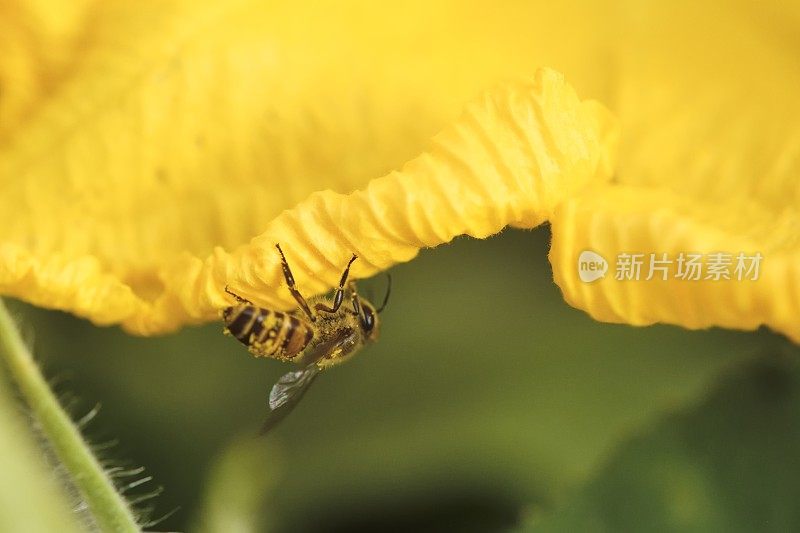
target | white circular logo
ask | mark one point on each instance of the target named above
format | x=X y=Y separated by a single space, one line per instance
x=591 y=266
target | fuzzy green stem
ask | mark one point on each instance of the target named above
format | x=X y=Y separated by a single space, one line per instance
x=108 y=508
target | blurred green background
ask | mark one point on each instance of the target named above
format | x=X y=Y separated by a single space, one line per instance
x=488 y=404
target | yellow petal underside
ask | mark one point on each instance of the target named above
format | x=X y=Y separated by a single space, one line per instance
x=643 y=220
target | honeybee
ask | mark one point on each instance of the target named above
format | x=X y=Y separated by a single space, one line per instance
x=320 y=333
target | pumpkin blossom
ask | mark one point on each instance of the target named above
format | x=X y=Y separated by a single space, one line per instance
x=166 y=147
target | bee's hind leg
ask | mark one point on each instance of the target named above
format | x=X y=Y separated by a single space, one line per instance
x=287 y=273
x=238 y=298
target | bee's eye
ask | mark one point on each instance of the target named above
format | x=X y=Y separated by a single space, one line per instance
x=367 y=320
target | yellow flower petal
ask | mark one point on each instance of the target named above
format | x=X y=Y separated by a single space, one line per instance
x=38 y=41
x=467 y=183
x=709 y=107
x=186 y=127
x=643 y=220
x=185 y=130
x=709 y=162
x=512 y=157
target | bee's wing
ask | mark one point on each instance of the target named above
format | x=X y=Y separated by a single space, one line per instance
x=286 y=394
x=291 y=387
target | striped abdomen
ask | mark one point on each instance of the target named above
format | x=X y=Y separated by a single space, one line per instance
x=267 y=333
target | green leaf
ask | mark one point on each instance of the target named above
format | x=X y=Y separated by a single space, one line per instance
x=728 y=464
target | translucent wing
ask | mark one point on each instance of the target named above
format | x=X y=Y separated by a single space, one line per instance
x=291 y=386
x=287 y=393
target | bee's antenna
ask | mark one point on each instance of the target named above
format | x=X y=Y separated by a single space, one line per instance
x=388 y=292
